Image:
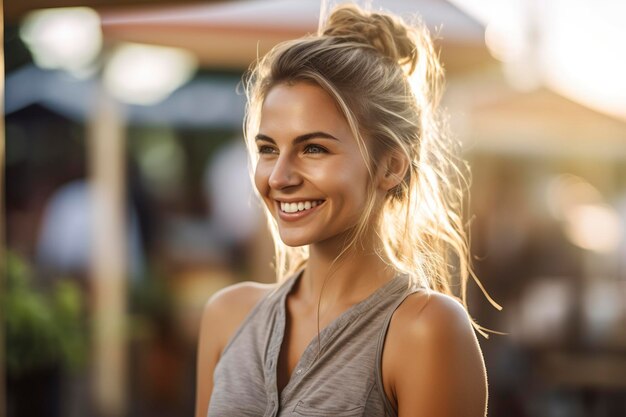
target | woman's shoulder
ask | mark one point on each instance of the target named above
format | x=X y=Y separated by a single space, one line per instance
x=432 y=345
x=226 y=310
x=431 y=311
x=428 y=319
x=237 y=299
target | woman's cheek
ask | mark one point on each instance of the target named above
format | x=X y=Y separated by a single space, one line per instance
x=261 y=182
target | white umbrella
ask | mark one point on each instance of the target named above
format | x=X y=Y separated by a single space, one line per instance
x=233 y=34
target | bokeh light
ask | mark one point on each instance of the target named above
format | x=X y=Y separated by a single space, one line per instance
x=146 y=74
x=63 y=38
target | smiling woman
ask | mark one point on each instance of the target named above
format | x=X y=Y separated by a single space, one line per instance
x=307 y=155
x=364 y=196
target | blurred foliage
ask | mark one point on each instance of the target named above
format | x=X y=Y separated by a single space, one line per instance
x=150 y=295
x=43 y=328
x=151 y=305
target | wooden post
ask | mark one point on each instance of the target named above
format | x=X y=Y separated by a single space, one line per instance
x=105 y=147
x=3 y=408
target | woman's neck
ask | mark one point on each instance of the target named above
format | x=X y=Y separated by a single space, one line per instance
x=357 y=273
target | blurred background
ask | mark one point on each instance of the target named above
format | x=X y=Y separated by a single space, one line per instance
x=127 y=201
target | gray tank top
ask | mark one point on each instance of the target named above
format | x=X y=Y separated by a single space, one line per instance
x=345 y=380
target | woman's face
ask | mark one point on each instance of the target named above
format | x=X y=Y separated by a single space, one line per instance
x=310 y=171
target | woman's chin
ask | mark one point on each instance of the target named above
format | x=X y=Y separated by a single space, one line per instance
x=294 y=243
x=294 y=240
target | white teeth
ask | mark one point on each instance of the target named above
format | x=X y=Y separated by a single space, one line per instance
x=299 y=206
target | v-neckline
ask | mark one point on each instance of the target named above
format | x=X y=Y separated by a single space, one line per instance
x=325 y=334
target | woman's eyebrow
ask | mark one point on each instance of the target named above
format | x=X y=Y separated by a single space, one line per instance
x=298 y=139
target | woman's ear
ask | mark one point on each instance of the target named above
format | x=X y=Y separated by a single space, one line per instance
x=392 y=170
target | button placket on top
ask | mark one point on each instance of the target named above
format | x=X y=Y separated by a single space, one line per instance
x=308 y=358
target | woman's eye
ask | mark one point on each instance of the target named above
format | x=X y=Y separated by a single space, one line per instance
x=266 y=149
x=314 y=149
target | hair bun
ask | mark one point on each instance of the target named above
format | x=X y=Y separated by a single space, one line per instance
x=387 y=34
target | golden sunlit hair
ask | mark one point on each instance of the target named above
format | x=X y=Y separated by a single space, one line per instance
x=385 y=77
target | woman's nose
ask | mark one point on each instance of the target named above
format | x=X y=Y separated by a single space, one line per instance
x=284 y=173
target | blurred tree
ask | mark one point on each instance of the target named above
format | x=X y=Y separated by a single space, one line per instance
x=46 y=335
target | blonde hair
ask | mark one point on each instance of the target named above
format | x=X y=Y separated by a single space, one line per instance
x=385 y=77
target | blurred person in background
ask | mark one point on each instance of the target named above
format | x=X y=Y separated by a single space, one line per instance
x=364 y=196
x=69 y=213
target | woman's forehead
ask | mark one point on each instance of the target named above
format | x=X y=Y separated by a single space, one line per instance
x=301 y=106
